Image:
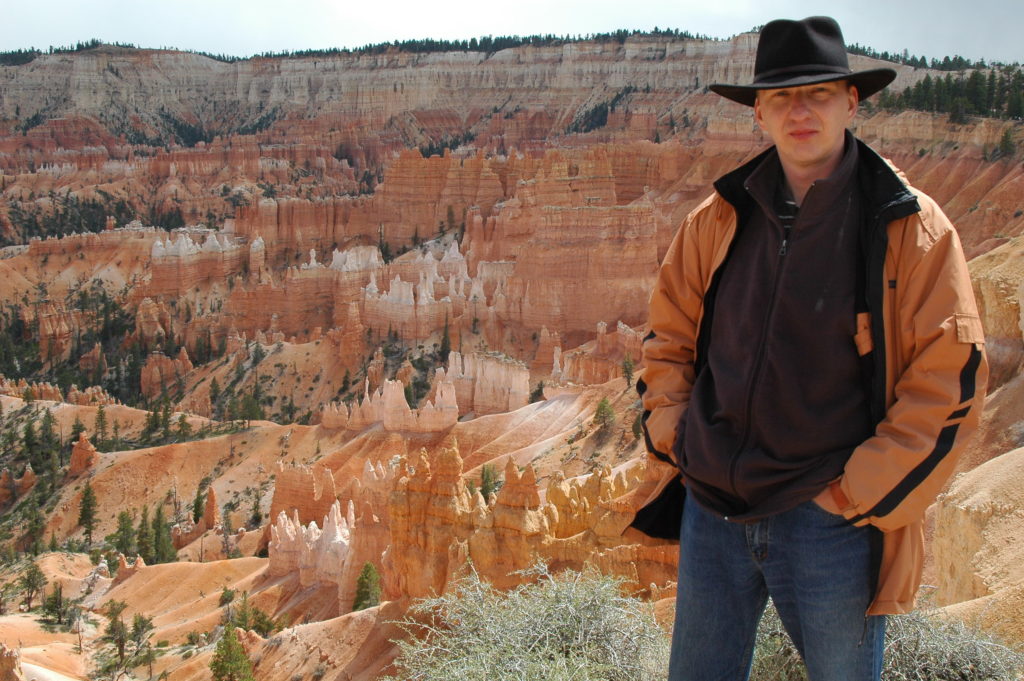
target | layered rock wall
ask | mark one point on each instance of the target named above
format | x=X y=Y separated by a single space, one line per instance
x=487 y=383
x=388 y=407
x=161 y=373
x=976 y=553
x=181 y=265
x=998 y=278
x=600 y=360
x=331 y=555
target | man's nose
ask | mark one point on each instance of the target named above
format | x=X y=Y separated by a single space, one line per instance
x=799 y=105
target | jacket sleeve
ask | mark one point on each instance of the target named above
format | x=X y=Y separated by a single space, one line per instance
x=936 y=356
x=669 y=348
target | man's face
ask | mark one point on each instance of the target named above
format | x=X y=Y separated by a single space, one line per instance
x=808 y=123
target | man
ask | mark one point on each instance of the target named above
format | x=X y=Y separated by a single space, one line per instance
x=814 y=366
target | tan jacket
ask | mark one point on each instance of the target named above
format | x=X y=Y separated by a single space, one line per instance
x=921 y=311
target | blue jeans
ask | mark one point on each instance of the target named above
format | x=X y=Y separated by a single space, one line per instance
x=816 y=567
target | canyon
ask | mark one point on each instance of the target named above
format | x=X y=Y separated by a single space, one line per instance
x=330 y=296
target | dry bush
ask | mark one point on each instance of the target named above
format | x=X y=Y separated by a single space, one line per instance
x=571 y=625
x=580 y=627
x=920 y=646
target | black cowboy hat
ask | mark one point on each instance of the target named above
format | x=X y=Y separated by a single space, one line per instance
x=793 y=53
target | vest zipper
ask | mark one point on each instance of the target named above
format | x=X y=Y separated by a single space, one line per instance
x=759 y=364
x=785 y=238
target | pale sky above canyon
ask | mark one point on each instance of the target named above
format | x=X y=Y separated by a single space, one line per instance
x=987 y=29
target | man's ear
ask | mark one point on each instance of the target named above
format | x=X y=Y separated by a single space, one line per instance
x=854 y=99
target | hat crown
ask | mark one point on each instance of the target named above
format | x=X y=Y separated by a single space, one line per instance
x=812 y=45
x=798 y=53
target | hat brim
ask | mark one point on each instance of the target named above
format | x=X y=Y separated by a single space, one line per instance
x=867 y=82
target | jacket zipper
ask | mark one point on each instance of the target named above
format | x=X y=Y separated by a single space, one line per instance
x=762 y=351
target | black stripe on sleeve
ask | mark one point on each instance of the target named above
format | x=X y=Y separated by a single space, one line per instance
x=959 y=413
x=641 y=388
x=943 y=444
x=969 y=375
x=942 y=447
x=649 y=443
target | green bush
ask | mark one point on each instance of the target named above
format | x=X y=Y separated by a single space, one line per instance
x=568 y=626
x=226 y=596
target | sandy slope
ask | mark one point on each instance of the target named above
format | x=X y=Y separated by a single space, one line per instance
x=44 y=654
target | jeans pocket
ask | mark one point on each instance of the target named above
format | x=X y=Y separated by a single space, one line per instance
x=820 y=510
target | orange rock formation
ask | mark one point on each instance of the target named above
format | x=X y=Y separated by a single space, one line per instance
x=83 y=456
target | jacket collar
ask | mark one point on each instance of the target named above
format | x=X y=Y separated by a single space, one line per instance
x=887 y=195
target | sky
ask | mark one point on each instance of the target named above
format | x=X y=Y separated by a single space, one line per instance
x=975 y=29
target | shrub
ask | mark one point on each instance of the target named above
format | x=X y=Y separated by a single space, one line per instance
x=226 y=596
x=922 y=647
x=918 y=647
x=567 y=626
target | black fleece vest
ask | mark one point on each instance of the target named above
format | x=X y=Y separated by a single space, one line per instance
x=779 y=403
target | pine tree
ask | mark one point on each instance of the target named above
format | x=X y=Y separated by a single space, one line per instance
x=214 y=390
x=229 y=660
x=144 y=537
x=30 y=447
x=226 y=530
x=251 y=409
x=142 y=629
x=77 y=428
x=1015 y=105
x=36 y=526
x=55 y=605
x=163 y=545
x=1006 y=144
x=87 y=511
x=255 y=514
x=124 y=535
x=367 y=588
x=100 y=428
x=49 y=443
x=115 y=437
x=151 y=428
x=199 y=503
x=489 y=482
x=446 y=339
x=627 y=370
x=604 y=417
x=31 y=581
x=116 y=632
x=165 y=421
x=9 y=439
x=184 y=429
